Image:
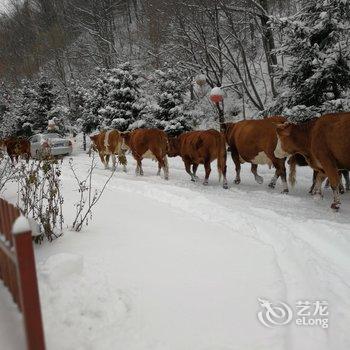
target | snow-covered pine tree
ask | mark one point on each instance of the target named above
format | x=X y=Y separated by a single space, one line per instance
x=78 y=95
x=46 y=103
x=173 y=113
x=34 y=104
x=316 y=41
x=6 y=122
x=112 y=100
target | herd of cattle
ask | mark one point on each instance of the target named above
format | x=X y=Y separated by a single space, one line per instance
x=321 y=143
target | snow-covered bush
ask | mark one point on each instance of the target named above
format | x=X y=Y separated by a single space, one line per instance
x=88 y=196
x=8 y=173
x=40 y=196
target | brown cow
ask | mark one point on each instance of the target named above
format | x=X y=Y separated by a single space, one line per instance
x=254 y=141
x=325 y=144
x=147 y=143
x=108 y=144
x=200 y=147
x=16 y=147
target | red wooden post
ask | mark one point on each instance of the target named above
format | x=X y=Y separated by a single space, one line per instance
x=28 y=285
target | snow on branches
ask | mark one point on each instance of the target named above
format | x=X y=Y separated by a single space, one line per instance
x=316 y=40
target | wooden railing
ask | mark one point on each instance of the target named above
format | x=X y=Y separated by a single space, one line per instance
x=18 y=273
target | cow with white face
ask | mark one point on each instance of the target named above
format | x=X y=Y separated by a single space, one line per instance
x=108 y=144
x=255 y=141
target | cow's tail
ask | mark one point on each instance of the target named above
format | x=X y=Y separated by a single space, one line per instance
x=221 y=157
x=292 y=171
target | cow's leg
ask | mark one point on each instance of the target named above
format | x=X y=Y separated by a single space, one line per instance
x=104 y=161
x=114 y=162
x=254 y=169
x=346 y=178
x=139 y=170
x=107 y=161
x=166 y=168
x=102 y=158
x=224 y=172
x=194 y=170
x=314 y=177
x=163 y=163
x=282 y=172
x=334 y=178
x=188 y=168
x=274 y=179
x=341 y=185
x=332 y=173
x=317 y=190
x=235 y=158
x=279 y=164
x=122 y=154
x=284 y=180
x=326 y=185
x=207 y=171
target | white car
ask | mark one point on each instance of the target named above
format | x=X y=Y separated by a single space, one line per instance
x=50 y=143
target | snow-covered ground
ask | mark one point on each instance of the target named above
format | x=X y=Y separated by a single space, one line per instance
x=176 y=265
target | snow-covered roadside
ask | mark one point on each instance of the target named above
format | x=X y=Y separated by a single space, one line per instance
x=176 y=265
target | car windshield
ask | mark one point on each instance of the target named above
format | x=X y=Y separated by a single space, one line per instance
x=51 y=136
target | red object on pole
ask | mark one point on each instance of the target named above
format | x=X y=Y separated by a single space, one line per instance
x=216 y=98
x=216 y=95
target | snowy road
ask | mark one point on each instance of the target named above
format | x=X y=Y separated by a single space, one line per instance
x=176 y=265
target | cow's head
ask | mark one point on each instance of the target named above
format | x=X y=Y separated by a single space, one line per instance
x=93 y=144
x=285 y=140
x=125 y=144
x=173 y=146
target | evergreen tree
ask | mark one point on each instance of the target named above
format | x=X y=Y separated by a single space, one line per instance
x=78 y=97
x=172 y=113
x=317 y=42
x=34 y=104
x=5 y=103
x=45 y=104
x=112 y=100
